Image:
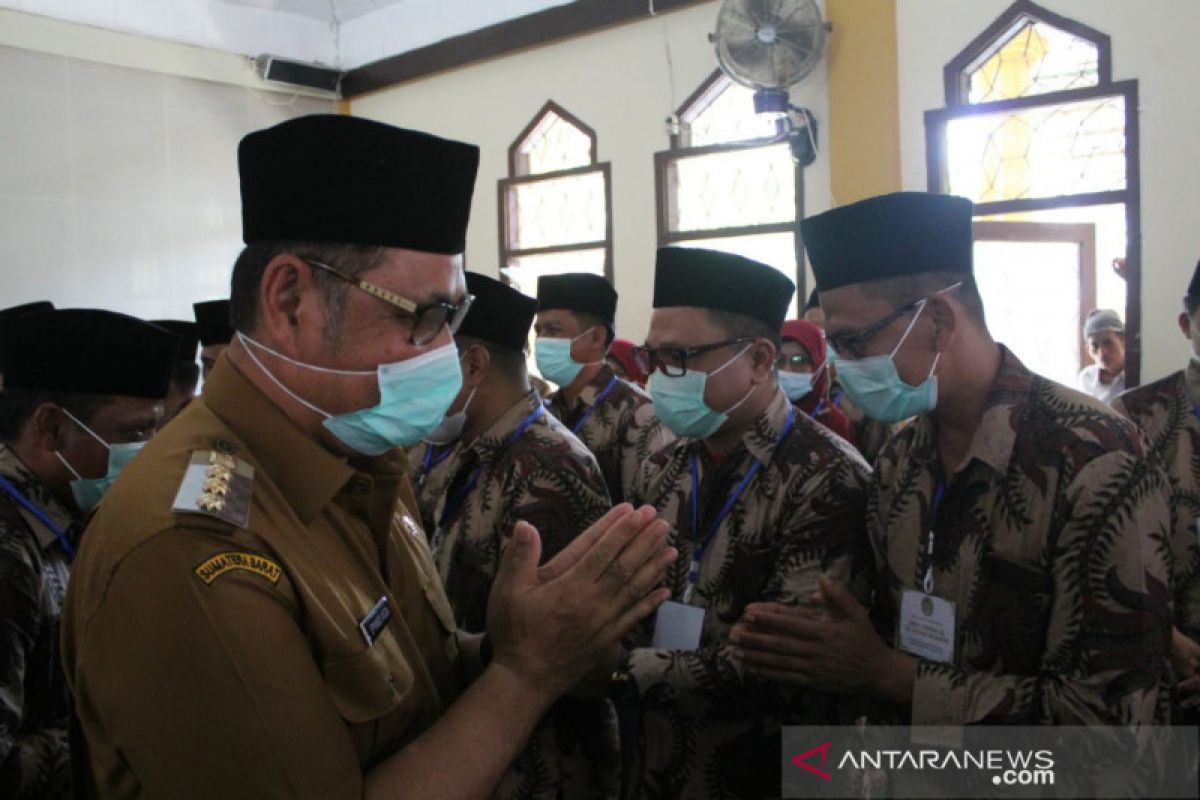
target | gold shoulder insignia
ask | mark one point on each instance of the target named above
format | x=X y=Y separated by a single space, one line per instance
x=218 y=485
x=221 y=563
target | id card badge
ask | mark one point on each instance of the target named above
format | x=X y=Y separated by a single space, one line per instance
x=926 y=627
x=678 y=626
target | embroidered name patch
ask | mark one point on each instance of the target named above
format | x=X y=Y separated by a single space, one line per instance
x=222 y=563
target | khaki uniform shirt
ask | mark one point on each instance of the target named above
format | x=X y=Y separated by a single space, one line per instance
x=235 y=653
x=35 y=758
x=620 y=430
x=1165 y=411
x=529 y=467
x=1051 y=540
x=707 y=730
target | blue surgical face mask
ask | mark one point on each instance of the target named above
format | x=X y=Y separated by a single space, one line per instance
x=413 y=398
x=877 y=388
x=89 y=491
x=554 y=360
x=679 y=401
x=451 y=427
x=798 y=385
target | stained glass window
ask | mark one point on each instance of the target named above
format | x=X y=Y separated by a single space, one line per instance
x=1037 y=59
x=554 y=209
x=728 y=185
x=1044 y=151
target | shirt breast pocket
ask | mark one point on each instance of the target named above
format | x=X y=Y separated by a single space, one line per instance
x=1013 y=614
x=368 y=685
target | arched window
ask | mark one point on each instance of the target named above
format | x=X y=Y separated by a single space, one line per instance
x=555 y=206
x=727 y=183
x=1036 y=132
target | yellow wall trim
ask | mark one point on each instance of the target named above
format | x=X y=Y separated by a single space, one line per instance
x=864 y=102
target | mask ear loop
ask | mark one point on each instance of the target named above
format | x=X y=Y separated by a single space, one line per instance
x=577 y=338
x=246 y=340
x=250 y=352
x=88 y=431
x=916 y=316
x=749 y=392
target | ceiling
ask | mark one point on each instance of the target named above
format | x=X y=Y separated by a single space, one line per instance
x=339 y=33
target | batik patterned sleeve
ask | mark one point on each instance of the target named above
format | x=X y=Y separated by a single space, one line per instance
x=1104 y=610
x=32 y=764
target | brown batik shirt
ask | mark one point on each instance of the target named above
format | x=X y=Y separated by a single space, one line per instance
x=707 y=729
x=615 y=420
x=34 y=756
x=1166 y=411
x=1051 y=541
x=529 y=467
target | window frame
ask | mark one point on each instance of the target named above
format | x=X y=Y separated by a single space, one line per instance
x=680 y=148
x=956 y=86
x=518 y=175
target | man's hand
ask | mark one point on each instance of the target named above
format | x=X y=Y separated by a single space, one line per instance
x=831 y=647
x=554 y=626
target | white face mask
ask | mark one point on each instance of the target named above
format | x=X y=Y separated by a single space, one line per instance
x=451 y=426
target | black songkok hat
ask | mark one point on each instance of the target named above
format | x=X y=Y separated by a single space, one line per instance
x=685 y=276
x=890 y=236
x=1194 y=286
x=578 y=291
x=500 y=314
x=212 y=317
x=88 y=351
x=188 y=333
x=36 y=307
x=334 y=178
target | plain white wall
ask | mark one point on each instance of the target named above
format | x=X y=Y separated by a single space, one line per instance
x=619 y=82
x=119 y=186
x=1153 y=42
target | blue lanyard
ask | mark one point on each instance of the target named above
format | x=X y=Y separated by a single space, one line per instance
x=837 y=398
x=820 y=407
x=63 y=541
x=430 y=462
x=455 y=503
x=699 y=547
x=592 y=408
x=938 y=493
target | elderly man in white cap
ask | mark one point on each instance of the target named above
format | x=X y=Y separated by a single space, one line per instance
x=1105 y=334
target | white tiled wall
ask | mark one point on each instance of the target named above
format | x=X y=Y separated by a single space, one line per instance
x=119 y=188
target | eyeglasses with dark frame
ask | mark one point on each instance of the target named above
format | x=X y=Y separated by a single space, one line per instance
x=427 y=320
x=672 y=361
x=852 y=345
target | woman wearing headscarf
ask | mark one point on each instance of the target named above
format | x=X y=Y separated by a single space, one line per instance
x=804 y=376
x=620 y=358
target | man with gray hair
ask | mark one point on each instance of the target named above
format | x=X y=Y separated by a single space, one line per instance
x=1105 y=334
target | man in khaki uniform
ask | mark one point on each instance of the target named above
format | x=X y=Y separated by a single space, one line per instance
x=1167 y=411
x=83 y=391
x=612 y=417
x=255 y=612
x=1019 y=528
x=762 y=502
x=515 y=462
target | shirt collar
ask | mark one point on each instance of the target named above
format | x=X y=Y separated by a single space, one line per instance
x=25 y=482
x=762 y=437
x=996 y=435
x=501 y=431
x=306 y=473
x=1191 y=381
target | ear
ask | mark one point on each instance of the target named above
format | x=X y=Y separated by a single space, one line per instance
x=287 y=294
x=946 y=318
x=476 y=364
x=763 y=356
x=46 y=427
x=1185 y=325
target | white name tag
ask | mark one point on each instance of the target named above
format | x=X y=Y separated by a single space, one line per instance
x=926 y=626
x=678 y=626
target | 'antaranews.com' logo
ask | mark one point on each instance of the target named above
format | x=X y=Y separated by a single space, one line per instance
x=1008 y=767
